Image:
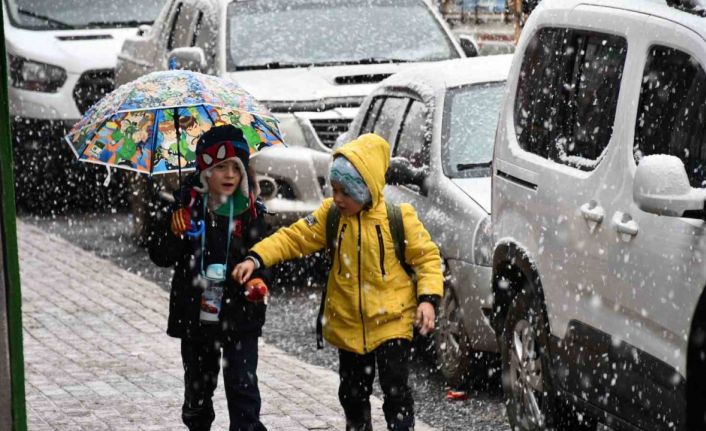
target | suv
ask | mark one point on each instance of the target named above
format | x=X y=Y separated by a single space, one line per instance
x=61 y=59
x=310 y=61
x=598 y=216
x=440 y=120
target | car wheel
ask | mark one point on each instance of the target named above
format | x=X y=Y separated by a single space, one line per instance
x=453 y=348
x=525 y=374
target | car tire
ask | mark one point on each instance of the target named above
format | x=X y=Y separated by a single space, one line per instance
x=452 y=346
x=529 y=396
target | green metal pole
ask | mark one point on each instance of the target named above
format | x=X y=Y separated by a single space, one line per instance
x=11 y=262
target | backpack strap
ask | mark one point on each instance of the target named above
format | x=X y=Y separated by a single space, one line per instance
x=394 y=218
x=333 y=218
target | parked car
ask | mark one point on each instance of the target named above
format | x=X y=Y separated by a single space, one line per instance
x=598 y=215
x=309 y=61
x=440 y=121
x=61 y=60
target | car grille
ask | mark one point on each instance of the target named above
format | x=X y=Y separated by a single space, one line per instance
x=92 y=86
x=329 y=129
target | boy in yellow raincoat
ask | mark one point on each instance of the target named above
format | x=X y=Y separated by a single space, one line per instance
x=371 y=301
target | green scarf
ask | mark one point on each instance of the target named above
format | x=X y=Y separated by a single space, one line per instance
x=240 y=204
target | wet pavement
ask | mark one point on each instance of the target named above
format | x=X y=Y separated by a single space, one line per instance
x=97 y=357
x=290 y=323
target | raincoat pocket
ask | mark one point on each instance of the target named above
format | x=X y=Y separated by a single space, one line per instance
x=378 y=307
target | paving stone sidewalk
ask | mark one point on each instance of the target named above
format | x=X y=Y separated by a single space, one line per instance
x=97 y=356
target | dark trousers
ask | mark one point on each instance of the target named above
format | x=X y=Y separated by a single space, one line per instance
x=357 y=374
x=201 y=361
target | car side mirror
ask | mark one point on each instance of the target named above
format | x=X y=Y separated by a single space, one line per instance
x=661 y=187
x=189 y=58
x=143 y=29
x=468 y=45
x=401 y=172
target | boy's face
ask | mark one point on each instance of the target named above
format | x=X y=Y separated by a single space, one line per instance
x=346 y=205
x=224 y=179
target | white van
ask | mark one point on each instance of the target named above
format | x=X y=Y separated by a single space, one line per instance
x=599 y=184
x=61 y=60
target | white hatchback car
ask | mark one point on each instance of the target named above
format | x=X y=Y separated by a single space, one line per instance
x=440 y=121
x=599 y=184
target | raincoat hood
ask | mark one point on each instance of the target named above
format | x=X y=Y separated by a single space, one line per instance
x=370 y=154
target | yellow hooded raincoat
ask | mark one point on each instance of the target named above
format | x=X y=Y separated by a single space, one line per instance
x=370 y=298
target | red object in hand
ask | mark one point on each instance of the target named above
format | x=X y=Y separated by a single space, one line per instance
x=456 y=396
x=256 y=290
x=181 y=221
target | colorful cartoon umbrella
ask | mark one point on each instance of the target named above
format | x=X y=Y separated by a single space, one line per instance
x=151 y=125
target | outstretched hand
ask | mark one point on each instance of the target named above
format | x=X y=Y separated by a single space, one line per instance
x=243 y=271
x=425 y=318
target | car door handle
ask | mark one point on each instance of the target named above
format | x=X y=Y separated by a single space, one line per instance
x=591 y=211
x=625 y=224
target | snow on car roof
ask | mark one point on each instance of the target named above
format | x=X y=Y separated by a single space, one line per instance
x=428 y=79
x=658 y=8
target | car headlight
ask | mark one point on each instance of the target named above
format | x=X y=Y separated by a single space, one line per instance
x=483 y=243
x=35 y=76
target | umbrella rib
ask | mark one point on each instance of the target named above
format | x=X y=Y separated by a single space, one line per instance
x=155 y=130
x=208 y=115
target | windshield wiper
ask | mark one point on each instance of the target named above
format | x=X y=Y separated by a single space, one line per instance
x=466 y=166
x=378 y=60
x=50 y=20
x=120 y=24
x=279 y=65
x=271 y=65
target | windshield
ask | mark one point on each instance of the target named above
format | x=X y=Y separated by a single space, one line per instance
x=272 y=34
x=75 y=14
x=471 y=115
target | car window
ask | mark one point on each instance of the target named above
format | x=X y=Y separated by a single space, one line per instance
x=415 y=135
x=75 y=14
x=372 y=115
x=470 y=117
x=315 y=32
x=205 y=36
x=671 y=115
x=567 y=95
x=182 y=30
x=387 y=122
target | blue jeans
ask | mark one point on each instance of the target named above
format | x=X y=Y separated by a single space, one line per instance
x=201 y=361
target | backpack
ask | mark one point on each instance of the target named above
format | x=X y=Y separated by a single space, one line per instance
x=333 y=218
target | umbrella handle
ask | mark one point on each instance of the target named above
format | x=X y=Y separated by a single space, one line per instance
x=197 y=229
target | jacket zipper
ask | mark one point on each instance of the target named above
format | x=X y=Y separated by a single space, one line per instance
x=360 y=288
x=382 y=249
x=340 y=239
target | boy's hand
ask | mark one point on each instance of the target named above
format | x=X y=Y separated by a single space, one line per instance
x=425 y=318
x=242 y=271
x=181 y=221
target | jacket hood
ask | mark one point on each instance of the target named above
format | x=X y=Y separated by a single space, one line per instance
x=370 y=154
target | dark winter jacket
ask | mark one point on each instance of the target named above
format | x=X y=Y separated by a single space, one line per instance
x=238 y=316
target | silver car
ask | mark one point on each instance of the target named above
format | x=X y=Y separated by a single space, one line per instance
x=302 y=59
x=440 y=121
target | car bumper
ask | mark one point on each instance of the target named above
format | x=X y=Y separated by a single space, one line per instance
x=473 y=286
x=293 y=181
x=46 y=106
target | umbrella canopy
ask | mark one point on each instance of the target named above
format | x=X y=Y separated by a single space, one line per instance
x=152 y=124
